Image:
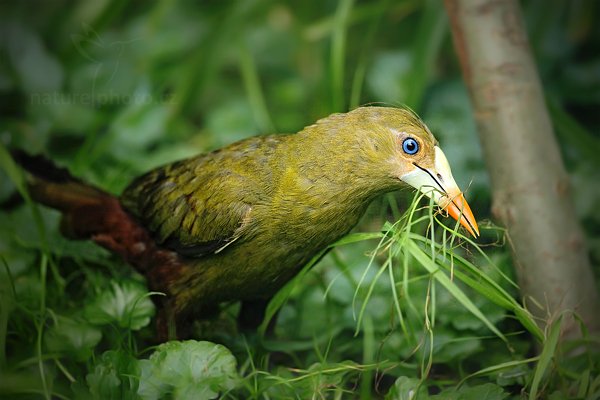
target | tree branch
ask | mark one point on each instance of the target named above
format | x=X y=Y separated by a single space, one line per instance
x=531 y=190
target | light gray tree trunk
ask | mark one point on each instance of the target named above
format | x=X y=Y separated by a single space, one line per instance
x=530 y=188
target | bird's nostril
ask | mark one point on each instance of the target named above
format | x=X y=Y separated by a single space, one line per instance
x=440 y=177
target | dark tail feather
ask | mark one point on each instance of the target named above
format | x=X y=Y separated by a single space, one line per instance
x=88 y=212
x=84 y=206
x=40 y=167
x=91 y=213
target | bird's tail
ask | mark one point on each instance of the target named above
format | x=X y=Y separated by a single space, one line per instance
x=91 y=213
x=86 y=209
x=88 y=212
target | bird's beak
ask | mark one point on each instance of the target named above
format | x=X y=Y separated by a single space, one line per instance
x=438 y=183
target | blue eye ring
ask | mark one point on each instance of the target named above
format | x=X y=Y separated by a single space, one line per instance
x=410 y=146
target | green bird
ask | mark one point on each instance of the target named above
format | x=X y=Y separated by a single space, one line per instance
x=239 y=222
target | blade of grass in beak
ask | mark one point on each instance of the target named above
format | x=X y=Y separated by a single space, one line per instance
x=459 y=209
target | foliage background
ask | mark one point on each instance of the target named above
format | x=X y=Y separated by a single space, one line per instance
x=113 y=88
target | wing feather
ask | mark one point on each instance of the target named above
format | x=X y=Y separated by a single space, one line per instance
x=192 y=207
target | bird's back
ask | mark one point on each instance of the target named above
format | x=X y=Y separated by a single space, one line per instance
x=248 y=216
x=196 y=206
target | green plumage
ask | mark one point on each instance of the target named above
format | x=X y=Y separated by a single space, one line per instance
x=240 y=222
x=250 y=215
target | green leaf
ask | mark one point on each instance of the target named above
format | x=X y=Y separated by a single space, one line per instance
x=125 y=304
x=322 y=377
x=448 y=348
x=487 y=391
x=138 y=126
x=114 y=376
x=71 y=337
x=407 y=389
x=188 y=370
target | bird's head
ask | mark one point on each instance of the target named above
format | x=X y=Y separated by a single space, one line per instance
x=412 y=155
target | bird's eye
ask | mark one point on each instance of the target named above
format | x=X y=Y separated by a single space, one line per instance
x=410 y=146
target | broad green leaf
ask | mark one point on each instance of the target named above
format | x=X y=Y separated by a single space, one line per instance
x=114 y=376
x=124 y=304
x=187 y=370
x=448 y=348
x=71 y=337
x=321 y=377
x=407 y=389
x=138 y=126
x=487 y=391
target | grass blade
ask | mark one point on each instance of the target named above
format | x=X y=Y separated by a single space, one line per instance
x=547 y=354
x=443 y=279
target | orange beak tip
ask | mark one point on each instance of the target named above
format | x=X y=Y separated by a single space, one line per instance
x=459 y=209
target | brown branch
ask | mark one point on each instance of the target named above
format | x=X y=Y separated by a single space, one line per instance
x=531 y=190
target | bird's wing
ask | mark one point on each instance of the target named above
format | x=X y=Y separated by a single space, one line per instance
x=193 y=207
